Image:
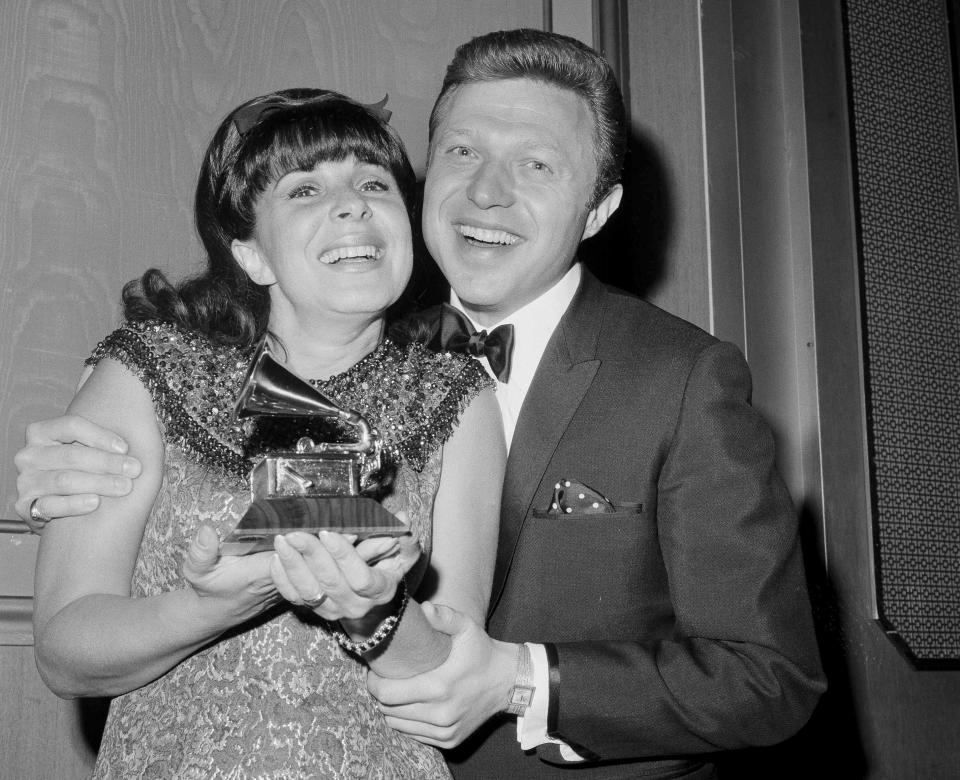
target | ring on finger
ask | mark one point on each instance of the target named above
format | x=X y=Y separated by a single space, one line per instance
x=36 y=514
x=316 y=601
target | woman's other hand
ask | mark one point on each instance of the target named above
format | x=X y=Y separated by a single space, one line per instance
x=241 y=586
x=337 y=579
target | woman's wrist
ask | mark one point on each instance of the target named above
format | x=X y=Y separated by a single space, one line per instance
x=362 y=628
x=366 y=639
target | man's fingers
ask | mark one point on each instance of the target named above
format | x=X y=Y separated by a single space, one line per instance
x=428 y=733
x=66 y=493
x=53 y=507
x=401 y=696
x=75 y=458
x=444 y=618
x=71 y=428
x=67 y=482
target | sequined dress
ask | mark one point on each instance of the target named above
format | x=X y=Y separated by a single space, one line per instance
x=278 y=698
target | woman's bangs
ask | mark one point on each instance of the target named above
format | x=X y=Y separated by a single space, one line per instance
x=313 y=139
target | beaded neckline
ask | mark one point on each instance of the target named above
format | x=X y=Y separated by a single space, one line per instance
x=365 y=365
x=411 y=395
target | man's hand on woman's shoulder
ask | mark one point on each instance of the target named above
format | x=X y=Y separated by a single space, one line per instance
x=67 y=464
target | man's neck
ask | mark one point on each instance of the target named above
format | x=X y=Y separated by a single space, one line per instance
x=489 y=317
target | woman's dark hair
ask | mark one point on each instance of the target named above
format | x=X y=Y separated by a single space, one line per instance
x=552 y=59
x=255 y=145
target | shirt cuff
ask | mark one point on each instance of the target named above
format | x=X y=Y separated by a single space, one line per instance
x=532 y=725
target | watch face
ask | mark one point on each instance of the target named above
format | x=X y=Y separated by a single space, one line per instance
x=521 y=695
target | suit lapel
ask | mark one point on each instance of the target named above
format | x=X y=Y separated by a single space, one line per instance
x=563 y=377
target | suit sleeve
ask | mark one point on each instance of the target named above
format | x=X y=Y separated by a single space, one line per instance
x=741 y=667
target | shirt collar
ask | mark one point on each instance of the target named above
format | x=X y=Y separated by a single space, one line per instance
x=534 y=324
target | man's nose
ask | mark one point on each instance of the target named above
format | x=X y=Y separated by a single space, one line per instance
x=491 y=185
x=348 y=203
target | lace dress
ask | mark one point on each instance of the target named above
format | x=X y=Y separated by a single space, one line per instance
x=277 y=698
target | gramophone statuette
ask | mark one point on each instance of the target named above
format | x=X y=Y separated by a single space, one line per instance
x=313 y=486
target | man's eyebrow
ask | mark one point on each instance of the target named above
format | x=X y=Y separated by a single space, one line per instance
x=457 y=131
x=532 y=144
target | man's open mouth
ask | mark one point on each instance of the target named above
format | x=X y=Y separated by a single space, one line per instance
x=486 y=237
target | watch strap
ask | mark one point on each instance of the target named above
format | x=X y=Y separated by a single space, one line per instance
x=521 y=694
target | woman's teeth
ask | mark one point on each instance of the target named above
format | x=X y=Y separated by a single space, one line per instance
x=333 y=256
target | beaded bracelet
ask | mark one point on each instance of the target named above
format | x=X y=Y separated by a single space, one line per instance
x=384 y=631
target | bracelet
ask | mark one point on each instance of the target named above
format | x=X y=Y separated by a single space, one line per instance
x=384 y=631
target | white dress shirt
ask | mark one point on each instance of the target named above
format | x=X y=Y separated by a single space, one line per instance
x=533 y=325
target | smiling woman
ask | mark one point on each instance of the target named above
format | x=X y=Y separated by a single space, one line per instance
x=255 y=665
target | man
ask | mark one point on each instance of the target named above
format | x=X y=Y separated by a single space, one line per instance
x=649 y=605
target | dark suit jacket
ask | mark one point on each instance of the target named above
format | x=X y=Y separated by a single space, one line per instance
x=680 y=624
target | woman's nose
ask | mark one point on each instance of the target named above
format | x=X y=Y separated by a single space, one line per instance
x=491 y=186
x=350 y=204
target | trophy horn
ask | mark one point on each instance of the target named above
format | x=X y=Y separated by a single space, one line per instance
x=271 y=389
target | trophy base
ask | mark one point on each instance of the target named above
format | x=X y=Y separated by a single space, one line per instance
x=268 y=517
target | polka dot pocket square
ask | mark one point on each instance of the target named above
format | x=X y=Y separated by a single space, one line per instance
x=572 y=497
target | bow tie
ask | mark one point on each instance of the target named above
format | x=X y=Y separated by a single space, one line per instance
x=458 y=335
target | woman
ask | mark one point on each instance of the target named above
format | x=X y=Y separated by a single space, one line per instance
x=303 y=207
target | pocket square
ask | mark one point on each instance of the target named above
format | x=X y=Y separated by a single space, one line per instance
x=572 y=497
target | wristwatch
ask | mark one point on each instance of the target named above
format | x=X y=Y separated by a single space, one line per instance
x=521 y=694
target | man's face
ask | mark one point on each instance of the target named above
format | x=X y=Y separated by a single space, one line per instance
x=505 y=204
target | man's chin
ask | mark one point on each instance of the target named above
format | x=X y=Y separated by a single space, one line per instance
x=484 y=309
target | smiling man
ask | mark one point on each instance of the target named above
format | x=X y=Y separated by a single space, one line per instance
x=649 y=605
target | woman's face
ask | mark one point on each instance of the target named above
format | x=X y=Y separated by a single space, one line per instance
x=331 y=242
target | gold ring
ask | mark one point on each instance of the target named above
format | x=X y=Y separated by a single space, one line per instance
x=316 y=601
x=36 y=514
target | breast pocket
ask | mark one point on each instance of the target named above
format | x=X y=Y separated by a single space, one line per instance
x=578 y=537
x=589 y=568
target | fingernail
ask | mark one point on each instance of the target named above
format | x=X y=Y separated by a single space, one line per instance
x=89 y=503
x=130 y=467
x=118 y=445
x=281 y=545
x=329 y=540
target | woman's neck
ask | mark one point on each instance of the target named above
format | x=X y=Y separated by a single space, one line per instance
x=321 y=352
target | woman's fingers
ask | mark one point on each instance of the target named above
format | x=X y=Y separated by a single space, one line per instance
x=282 y=582
x=378 y=548
x=362 y=579
x=308 y=567
x=331 y=566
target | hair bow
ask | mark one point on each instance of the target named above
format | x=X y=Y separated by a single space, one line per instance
x=247 y=117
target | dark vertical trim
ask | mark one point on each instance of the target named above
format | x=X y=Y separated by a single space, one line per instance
x=610 y=31
x=953 y=32
x=548 y=15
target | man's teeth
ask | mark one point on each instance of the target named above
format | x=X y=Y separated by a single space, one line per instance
x=333 y=256
x=486 y=236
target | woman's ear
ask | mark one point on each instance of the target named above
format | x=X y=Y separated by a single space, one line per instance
x=250 y=259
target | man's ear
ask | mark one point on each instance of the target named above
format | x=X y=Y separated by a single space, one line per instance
x=600 y=213
x=249 y=258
